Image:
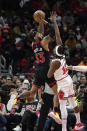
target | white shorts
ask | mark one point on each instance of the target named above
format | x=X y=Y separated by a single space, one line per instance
x=65 y=88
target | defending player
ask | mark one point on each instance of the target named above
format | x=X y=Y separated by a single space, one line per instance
x=58 y=67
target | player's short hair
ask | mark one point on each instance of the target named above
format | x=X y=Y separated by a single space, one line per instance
x=32 y=34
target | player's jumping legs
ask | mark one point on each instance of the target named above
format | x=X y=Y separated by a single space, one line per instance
x=55 y=99
x=33 y=90
x=63 y=114
x=54 y=88
x=76 y=109
x=78 y=125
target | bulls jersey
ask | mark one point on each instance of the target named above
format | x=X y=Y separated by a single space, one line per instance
x=62 y=72
x=64 y=81
x=41 y=55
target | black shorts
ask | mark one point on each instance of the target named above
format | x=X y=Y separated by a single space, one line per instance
x=41 y=78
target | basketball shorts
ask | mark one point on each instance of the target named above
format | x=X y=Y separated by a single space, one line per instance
x=41 y=78
x=65 y=88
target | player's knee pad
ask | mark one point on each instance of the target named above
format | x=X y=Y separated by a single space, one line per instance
x=63 y=110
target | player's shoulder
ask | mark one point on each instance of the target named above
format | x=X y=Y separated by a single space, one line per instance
x=55 y=60
x=35 y=44
x=56 y=63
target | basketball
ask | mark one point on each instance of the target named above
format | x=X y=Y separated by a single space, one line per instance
x=37 y=14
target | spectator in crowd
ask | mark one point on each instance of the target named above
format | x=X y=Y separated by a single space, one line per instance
x=76 y=77
x=68 y=19
x=80 y=8
x=58 y=8
x=76 y=54
x=71 y=40
x=84 y=110
x=14 y=110
x=6 y=87
x=84 y=61
x=85 y=52
x=3 y=120
x=84 y=40
x=15 y=45
x=78 y=32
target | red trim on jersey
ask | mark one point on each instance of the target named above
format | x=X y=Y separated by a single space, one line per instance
x=1 y=106
x=34 y=44
x=36 y=85
x=52 y=83
x=62 y=78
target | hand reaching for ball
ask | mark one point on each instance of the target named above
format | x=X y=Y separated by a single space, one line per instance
x=53 y=16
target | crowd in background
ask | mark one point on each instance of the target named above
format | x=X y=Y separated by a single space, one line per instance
x=15 y=46
x=24 y=113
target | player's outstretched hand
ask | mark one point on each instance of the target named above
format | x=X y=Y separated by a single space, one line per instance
x=53 y=16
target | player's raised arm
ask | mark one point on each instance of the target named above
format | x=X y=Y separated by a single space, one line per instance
x=41 y=28
x=56 y=28
x=78 y=68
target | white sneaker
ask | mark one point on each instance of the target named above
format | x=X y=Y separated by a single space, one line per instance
x=55 y=117
x=17 y=128
x=78 y=127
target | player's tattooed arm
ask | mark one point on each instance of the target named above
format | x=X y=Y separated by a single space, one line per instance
x=54 y=65
x=41 y=28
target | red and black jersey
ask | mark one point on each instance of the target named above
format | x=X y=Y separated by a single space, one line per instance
x=43 y=59
x=41 y=55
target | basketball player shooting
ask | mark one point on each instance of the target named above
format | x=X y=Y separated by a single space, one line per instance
x=41 y=52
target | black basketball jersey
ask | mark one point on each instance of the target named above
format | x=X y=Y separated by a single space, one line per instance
x=41 y=55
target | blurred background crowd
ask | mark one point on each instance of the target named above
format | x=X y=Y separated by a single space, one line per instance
x=16 y=56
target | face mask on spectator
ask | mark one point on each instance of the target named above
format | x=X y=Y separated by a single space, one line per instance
x=22 y=77
x=78 y=74
x=65 y=28
x=78 y=29
x=8 y=78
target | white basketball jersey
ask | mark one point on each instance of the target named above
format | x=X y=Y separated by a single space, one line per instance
x=62 y=72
